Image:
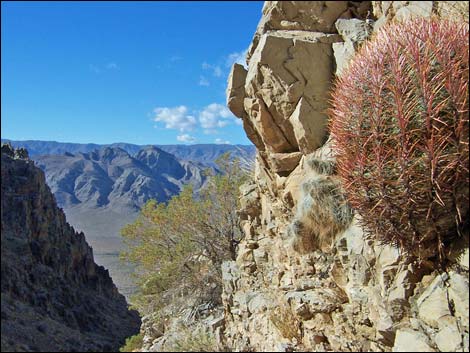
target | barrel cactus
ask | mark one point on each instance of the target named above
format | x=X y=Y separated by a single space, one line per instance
x=400 y=124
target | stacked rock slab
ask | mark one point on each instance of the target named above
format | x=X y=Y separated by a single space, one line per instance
x=54 y=297
x=306 y=277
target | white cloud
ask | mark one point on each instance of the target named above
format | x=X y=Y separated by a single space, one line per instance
x=237 y=57
x=109 y=66
x=216 y=70
x=95 y=69
x=175 y=58
x=112 y=66
x=215 y=116
x=203 y=81
x=175 y=118
x=210 y=132
x=211 y=118
x=186 y=138
x=221 y=141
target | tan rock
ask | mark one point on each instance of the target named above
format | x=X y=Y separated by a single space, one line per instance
x=235 y=101
x=309 y=126
x=258 y=303
x=339 y=275
x=252 y=133
x=245 y=259
x=317 y=300
x=271 y=135
x=414 y=9
x=279 y=75
x=411 y=341
x=388 y=255
x=459 y=296
x=249 y=202
x=453 y=10
x=291 y=187
x=284 y=162
x=433 y=303
x=353 y=30
x=343 y=53
x=386 y=11
x=317 y=16
x=236 y=90
x=449 y=337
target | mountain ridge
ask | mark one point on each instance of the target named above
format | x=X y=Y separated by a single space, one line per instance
x=193 y=152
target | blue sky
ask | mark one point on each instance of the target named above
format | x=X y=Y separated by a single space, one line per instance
x=136 y=72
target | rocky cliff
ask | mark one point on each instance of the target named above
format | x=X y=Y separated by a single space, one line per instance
x=54 y=296
x=306 y=277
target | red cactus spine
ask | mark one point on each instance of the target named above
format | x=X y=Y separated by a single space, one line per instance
x=400 y=122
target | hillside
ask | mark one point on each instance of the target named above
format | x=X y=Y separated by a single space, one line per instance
x=54 y=296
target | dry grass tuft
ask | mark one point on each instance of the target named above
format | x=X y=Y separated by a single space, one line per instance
x=322 y=213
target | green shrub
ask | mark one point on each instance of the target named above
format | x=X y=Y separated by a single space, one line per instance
x=179 y=246
x=133 y=343
x=399 y=119
x=192 y=340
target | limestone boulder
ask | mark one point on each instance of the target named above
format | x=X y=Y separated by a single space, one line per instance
x=386 y=11
x=280 y=73
x=413 y=9
x=459 y=296
x=284 y=162
x=317 y=300
x=309 y=126
x=449 y=337
x=457 y=10
x=292 y=184
x=433 y=303
x=230 y=276
x=353 y=30
x=270 y=132
x=235 y=98
x=411 y=341
x=249 y=201
x=236 y=90
x=316 y=16
x=343 y=53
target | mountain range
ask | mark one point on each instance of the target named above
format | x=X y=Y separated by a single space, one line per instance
x=101 y=188
x=204 y=153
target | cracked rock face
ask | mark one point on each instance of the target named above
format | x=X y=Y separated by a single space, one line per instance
x=306 y=277
x=282 y=96
x=54 y=296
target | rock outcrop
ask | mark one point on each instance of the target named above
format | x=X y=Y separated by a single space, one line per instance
x=54 y=296
x=306 y=277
